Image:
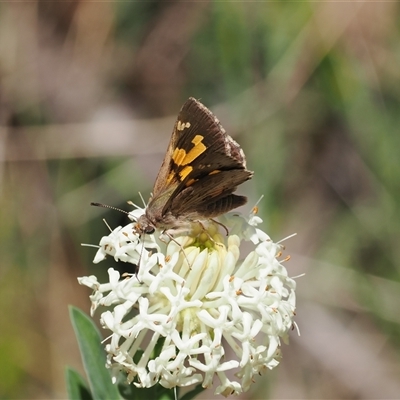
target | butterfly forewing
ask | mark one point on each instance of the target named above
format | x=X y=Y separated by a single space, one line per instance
x=202 y=168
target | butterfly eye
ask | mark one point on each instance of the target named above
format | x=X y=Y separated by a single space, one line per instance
x=144 y=225
x=149 y=230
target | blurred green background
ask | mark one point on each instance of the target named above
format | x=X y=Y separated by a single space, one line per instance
x=88 y=96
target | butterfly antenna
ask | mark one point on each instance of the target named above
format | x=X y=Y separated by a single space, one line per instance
x=110 y=207
x=124 y=212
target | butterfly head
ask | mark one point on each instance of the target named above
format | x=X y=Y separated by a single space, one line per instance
x=144 y=225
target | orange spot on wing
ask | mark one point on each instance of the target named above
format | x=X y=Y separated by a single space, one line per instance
x=170 y=177
x=178 y=156
x=198 y=148
x=185 y=172
x=190 y=182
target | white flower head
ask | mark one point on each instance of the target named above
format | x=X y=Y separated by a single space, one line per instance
x=198 y=310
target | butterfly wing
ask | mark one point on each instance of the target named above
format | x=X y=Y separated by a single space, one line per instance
x=202 y=168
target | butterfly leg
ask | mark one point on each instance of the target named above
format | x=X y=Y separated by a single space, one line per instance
x=220 y=224
x=208 y=234
x=165 y=232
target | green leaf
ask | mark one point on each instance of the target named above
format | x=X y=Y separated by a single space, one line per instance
x=158 y=392
x=77 y=387
x=93 y=356
x=193 y=393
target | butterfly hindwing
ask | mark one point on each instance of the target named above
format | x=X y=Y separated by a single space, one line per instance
x=210 y=196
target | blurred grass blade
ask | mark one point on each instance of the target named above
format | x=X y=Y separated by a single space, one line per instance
x=93 y=356
x=77 y=387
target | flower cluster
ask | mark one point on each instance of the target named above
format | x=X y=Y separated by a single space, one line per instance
x=197 y=309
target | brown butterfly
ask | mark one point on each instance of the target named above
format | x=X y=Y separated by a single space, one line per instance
x=202 y=168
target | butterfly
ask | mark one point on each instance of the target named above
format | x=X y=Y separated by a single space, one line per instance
x=202 y=169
